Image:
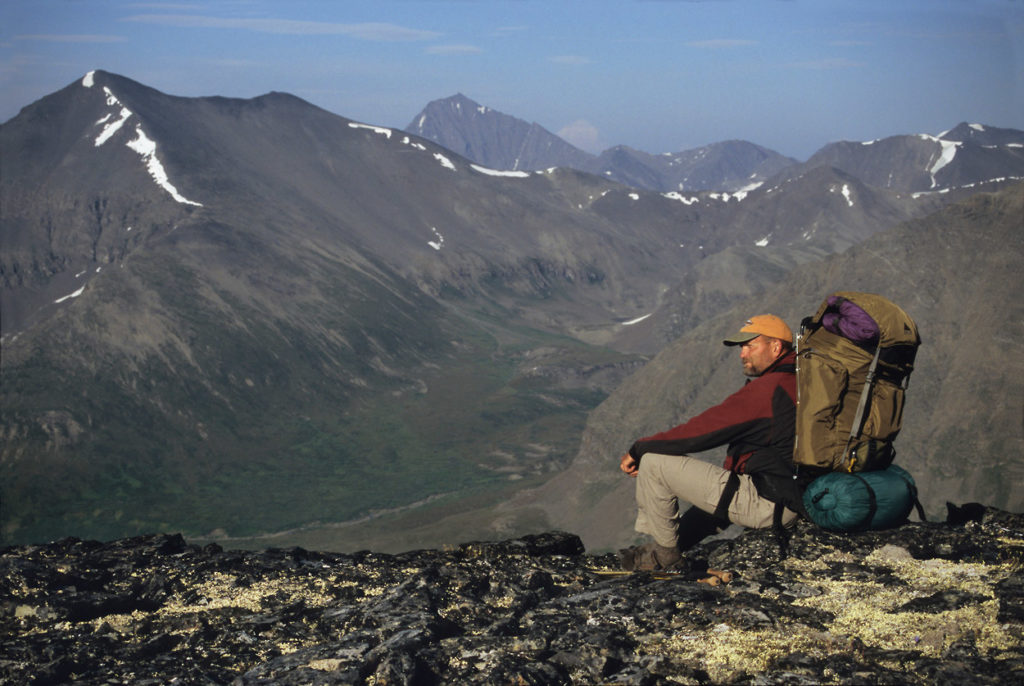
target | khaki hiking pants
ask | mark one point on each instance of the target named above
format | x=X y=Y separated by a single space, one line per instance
x=664 y=480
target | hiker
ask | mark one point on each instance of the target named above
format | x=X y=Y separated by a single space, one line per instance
x=757 y=422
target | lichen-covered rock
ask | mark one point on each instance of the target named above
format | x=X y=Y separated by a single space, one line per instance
x=924 y=603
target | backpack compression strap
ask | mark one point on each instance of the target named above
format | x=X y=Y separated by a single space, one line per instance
x=858 y=420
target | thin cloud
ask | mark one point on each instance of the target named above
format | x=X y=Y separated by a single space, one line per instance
x=583 y=135
x=570 y=59
x=509 y=30
x=229 y=63
x=827 y=63
x=716 y=43
x=453 y=50
x=71 y=38
x=372 y=31
x=166 y=6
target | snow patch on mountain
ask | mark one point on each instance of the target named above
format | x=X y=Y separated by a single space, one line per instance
x=419 y=146
x=147 y=149
x=436 y=245
x=631 y=322
x=141 y=144
x=445 y=162
x=845 y=192
x=726 y=197
x=946 y=154
x=69 y=296
x=674 y=195
x=113 y=126
x=496 y=172
x=376 y=129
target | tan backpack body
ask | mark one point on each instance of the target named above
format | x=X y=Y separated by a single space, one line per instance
x=854 y=359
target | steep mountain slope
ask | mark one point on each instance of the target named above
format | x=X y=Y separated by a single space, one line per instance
x=955 y=272
x=250 y=349
x=501 y=141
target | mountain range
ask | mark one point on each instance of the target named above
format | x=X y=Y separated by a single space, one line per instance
x=227 y=317
x=963 y=155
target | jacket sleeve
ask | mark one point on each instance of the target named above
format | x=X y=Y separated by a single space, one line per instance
x=734 y=419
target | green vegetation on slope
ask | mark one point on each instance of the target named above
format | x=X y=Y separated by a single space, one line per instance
x=227 y=423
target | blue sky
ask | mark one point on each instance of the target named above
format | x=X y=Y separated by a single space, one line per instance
x=656 y=75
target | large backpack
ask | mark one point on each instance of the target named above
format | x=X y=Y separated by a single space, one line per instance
x=854 y=359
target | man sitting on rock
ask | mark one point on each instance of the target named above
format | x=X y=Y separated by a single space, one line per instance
x=758 y=424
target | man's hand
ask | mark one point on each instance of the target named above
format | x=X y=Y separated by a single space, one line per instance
x=629 y=465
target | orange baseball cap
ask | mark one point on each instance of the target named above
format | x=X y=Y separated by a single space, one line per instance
x=761 y=325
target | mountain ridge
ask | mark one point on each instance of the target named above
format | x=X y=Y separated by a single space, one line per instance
x=503 y=141
x=964 y=155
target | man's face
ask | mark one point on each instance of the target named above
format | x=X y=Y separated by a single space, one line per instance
x=758 y=354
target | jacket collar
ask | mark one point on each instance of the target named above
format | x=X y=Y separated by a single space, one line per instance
x=785 y=363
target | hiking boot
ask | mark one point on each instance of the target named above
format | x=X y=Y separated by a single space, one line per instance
x=649 y=557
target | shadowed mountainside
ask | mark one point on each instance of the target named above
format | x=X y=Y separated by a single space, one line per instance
x=956 y=273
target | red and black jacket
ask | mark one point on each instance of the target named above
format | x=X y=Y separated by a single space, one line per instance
x=758 y=422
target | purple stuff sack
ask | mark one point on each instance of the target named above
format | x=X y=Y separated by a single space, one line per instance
x=843 y=318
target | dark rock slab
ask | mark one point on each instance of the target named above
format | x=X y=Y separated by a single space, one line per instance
x=926 y=603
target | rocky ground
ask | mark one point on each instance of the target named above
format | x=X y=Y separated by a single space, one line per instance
x=926 y=603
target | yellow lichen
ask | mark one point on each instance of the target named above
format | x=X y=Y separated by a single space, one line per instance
x=865 y=612
x=326 y=664
x=222 y=590
x=725 y=652
x=869 y=610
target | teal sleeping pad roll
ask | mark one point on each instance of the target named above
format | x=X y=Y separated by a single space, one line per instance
x=881 y=499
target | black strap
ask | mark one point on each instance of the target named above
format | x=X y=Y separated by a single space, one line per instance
x=872 y=508
x=912 y=487
x=781 y=534
x=920 y=510
x=728 y=493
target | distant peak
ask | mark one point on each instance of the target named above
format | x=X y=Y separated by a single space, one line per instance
x=93 y=76
x=457 y=101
